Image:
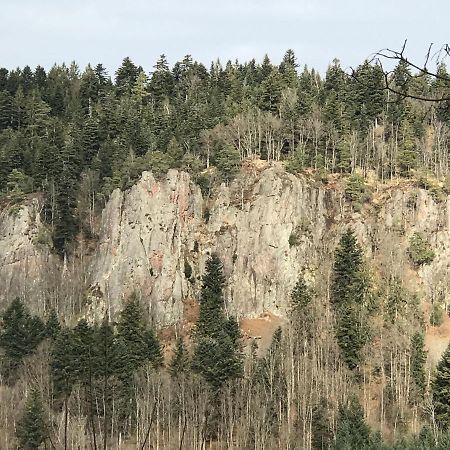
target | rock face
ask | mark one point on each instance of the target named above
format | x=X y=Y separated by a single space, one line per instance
x=145 y=235
x=267 y=227
x=26 y=264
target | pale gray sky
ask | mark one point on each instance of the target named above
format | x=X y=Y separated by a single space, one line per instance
x=47 y=31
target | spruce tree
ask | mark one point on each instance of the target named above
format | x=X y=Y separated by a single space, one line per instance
x=63 y=364
x=217 y=355
x=321 y=427
x=32 y=430
x=348 y=291
x=352 y=432
x=211 y=316
x=441 y=390
x=104 y=371
x=418 y=361
x=347 y=283
x=301 y=295
x=52 y=325
x=20 y=334
x=179 y=363
x=131 y=330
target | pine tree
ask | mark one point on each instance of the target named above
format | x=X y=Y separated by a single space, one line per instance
x=32 y=430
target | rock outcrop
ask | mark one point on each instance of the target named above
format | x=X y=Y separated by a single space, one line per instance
x=27 y=267
x=267 y=227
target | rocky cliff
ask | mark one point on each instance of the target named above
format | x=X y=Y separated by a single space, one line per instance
x=27 y=267
x=267 y=226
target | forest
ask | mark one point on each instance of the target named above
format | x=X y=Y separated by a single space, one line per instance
x=348 y=368
x=112 y=385
x=76 y=136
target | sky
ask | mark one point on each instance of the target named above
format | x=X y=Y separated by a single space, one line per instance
x=45 y=32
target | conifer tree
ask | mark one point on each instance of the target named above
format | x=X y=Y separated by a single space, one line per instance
x=32 y=430
x=130 y=331
x=321 y=428
x=418 y=360
x=179 y=363
x=441 y=390
x=347 y=284
x=352 y=431
x=136 y=345
x=126 y=76
x=52 y=325
x=301 y=295
x=348 y=291
x=217 y=355
x=20 y=334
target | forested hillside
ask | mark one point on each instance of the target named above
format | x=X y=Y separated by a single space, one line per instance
x=288 y=281
x=76 y=135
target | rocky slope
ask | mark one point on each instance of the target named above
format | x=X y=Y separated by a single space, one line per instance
x=267 y=227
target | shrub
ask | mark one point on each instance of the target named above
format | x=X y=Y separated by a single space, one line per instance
x=420 y=250
x=187 y=269
x=354 y=188
x=294 y=237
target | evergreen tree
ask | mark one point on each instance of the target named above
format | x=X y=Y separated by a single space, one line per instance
x=105 y=366
x=301 y=295
x=63 y=364
x=348 y=292
x=52 y=326
x=161 y=82
x=211 y=315
x=352 y=432
x=131 y=331
x=441 y=390
x=418 y=360
x=179 y=363
x=217 y=355
x=126 y=76
x=32 y=430
x=20 y=334
x=321 y=428
x=348 y=284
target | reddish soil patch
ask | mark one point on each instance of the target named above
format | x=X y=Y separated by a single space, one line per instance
x=261 y=329
x=437 y=340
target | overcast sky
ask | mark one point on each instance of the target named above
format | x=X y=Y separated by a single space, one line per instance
x=47 y=31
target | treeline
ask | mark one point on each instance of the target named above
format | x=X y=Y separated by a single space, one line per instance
x=334 y=368
x=75 y=135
